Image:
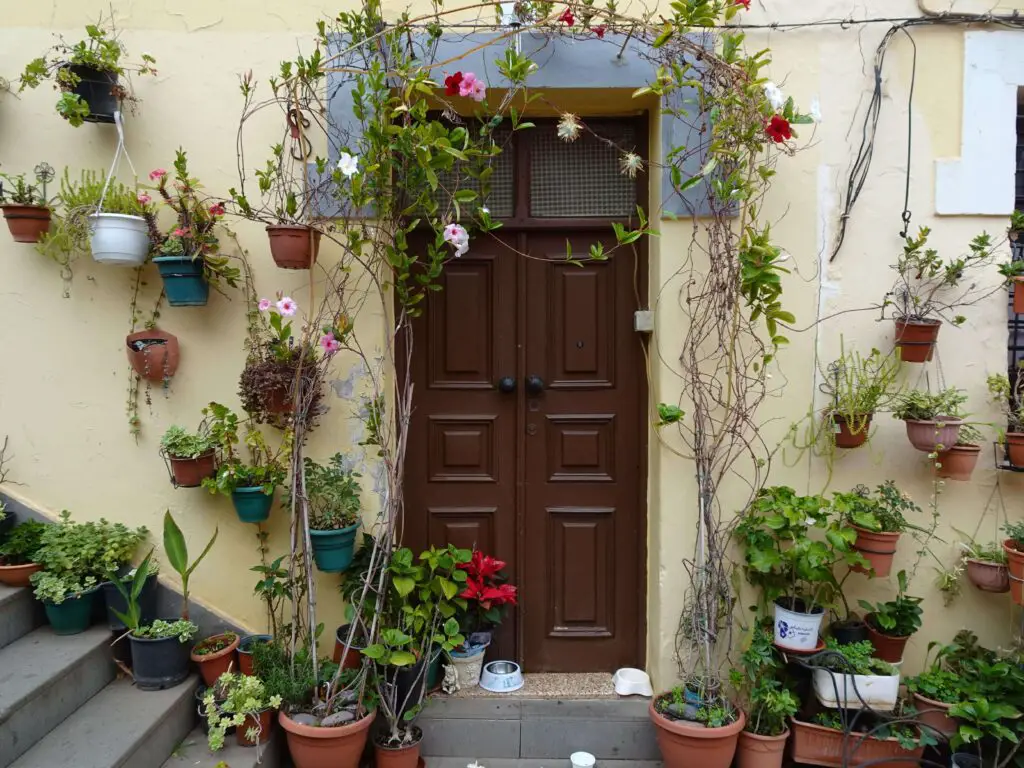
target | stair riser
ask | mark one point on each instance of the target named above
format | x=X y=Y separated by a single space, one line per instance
x=50 y=705
x=166 y=735
x=20 y=613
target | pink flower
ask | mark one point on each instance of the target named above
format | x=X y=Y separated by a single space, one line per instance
x=264 y=305
x=216 y=209
x=179 y=232
x=157 y=174
x=144 y=199
x=329 y=343
x=286 y=306
x=456 y=235
x=467 y=84
x=479 y=90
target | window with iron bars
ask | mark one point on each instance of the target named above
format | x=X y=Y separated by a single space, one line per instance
x=1015 y=344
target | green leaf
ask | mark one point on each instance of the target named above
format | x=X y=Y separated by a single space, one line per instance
x=403 y=585
x=174 y=544
x=375 y=651
x=209 y=546
x=402 y=659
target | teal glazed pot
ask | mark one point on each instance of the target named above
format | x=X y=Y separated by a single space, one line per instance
x=252 y=505
x=74 y=615
x=184 y=280
x=333 y=550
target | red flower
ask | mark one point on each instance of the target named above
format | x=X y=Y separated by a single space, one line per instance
x=216 y=209
x=600 y=30
x=483 y=567
x=567 y=17
x=451 y=84
x=778 y=129
x=744 y=3
x=474 y=589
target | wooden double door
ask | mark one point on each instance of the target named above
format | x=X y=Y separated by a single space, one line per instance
x=528 y=440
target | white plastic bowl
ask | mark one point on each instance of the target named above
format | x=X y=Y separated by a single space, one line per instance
x=501 y=677
x=582 y=760
x=632 y=682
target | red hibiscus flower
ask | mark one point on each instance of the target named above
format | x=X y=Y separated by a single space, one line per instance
x=744 y=3
x=600 y=30
x=567 y=17
x=778 y=129
x=451 y=84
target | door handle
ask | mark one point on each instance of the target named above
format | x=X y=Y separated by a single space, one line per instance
x=534 y=384
x=507 y=384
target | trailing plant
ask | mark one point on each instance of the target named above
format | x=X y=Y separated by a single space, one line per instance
x=900 y=617
x=930 y=288
x=20 y=545
x=182 y=444
x=332 y=493
x=177 y=555
x=283 y=197
x=884 y=511
x=263 y=466
x=242 y=696
x=917 y=405
x=100 y=50
x=858 y=386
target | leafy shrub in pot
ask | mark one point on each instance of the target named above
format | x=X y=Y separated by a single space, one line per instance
x=1014 y=549
x=878 y=519
x=242 y=702
x=192 y=455
x=849 y=677
x=18 y=548
x=1007 y=396
x=768 y=704
x=958 y=462
x=891 y=623
x=933 y=420
x=333 y=497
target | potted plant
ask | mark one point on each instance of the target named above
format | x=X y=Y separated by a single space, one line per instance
x=958 y=462
x=285 y=210
x=794 y=571
x=1013 y=270
x=825 y=741
x=74 y=558
x=941 y=685
x=250 y=484
x=350 y=638
x=18 y=549
x=25 y=209
x=891 y=623
x=767 y=702
x=245 y=650
x=88 y=74
x=121 y=226
x=928 y=290
x=1013 y=546
x=332 y=493
x=216 y=655
x=146 y=595
x=709 y=738
x=418 y=616
x=858 y=387
x=986 y=565
x=849 y=677
x=933 y=420
x=153 y=354
x=190 y=260
x=245 y=705
x=192 y=455
x=879 y=520
x=1008 y=397
x=487 y=595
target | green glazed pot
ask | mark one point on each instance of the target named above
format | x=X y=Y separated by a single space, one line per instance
x=251 y=504
x=73 y=616
x=333 y=550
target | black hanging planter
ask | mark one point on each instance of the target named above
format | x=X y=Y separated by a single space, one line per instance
x=159 y=664
x=98 y=89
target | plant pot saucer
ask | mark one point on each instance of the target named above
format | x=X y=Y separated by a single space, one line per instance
x=809 y=652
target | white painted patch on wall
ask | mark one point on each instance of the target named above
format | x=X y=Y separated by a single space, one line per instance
x=981 y=181
x=828 y=287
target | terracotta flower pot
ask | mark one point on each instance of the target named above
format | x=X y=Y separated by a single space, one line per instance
x=916 y=339
x=684 y=745
x=153 y=354
x=934 y=713
x=887 y=647
x=851 y=435
x=18 y=575
x=401 y=757
x=265 y=721
x=1015 y=448
x=878 y=548
x=213 y=665
x=754 y=751
x=27 y=222
x=818 y=745
x=928 y=435
x=988 y=577
x=189 y=473
x=292 y=247
x=1018 y=295
x=339 y=747
x=958 y=462
x=1015 y=563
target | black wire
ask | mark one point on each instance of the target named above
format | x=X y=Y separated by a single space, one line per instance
x=910 y=134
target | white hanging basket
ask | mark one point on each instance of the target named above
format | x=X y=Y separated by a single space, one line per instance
x=878 y=692
x=119 y=239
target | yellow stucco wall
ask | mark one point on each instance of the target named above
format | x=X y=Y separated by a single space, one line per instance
x=63 y=379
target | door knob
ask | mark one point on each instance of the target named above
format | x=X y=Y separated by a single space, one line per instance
x=507 y=384
x=534 y=385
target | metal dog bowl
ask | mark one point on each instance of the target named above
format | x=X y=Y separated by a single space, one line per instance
x=501 y=677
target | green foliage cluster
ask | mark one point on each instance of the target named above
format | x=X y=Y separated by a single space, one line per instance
x=20 y=545
x=760 y=678
x=900 y=617
x=859 y=385
x=182 y=629
x=16 y=190
x=182 y=444
x=916 y=405
x=333 y=494
x=1008 y=398
x=883 y=511
x=264 y=466
x=243 y=695
x=854 y=659
x=291 y=679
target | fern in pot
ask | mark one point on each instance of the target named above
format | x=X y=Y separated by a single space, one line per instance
x=933 y=419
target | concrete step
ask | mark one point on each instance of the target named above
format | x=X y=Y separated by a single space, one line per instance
x=500 y=762
x=20 y=613
x=120 y=727
x=538 y=729
x=193 y=752
x=43 y=679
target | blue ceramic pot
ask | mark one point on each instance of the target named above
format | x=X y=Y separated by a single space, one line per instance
x=184 y=280
x=333 y=550
x=251 y=504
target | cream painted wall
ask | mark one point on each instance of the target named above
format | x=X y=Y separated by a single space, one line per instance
x=64 y=377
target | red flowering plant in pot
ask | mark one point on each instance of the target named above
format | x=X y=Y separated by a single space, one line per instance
x=487 y=595
x=928 y=290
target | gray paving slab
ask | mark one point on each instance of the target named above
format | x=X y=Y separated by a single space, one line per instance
x=194 y=752
x=20 y=613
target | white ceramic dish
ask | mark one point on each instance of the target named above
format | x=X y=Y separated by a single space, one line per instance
x=501 y=677
x=632 y=682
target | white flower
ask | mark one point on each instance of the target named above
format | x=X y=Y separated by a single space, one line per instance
x=286 y=306
x=815 y=110
x=569 y=127
x=774 y=94
x=456 y=235
x=484 y=209
x=630 y=163
x=348 y=164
